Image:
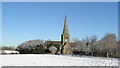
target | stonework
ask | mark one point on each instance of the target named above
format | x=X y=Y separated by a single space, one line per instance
x=65 y=40
x=66 y=49
x=65 y=37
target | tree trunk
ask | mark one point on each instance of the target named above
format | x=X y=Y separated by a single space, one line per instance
x=107 y=55
x=92 y=54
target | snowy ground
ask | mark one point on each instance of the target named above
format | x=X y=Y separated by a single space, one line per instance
x=55 y=60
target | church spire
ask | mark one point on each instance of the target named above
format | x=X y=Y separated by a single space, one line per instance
x=65 y=37
x=65 y=30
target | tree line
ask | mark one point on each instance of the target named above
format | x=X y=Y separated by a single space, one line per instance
x=105 y=47
x=7 y=47
x=90 y=46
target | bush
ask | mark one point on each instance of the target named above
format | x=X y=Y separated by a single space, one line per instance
x=31 y=47
x=55 y=46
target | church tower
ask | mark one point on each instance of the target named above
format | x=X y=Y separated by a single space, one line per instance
x=65 y=37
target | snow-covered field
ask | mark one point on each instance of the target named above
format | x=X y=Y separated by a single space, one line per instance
x=55 y=60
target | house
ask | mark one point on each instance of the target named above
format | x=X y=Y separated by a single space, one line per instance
x=8 y=52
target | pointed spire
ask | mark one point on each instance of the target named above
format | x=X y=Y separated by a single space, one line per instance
x=65 y=30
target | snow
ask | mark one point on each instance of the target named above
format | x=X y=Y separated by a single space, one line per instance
x=55 y=60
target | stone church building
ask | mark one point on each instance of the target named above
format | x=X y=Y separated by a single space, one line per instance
x=65 y=47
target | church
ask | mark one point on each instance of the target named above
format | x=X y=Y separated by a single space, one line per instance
x=65 y=47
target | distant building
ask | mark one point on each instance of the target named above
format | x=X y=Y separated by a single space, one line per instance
x=8 y=52
x=65 y=40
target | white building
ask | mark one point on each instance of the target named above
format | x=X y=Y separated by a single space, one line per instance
x=8 y=52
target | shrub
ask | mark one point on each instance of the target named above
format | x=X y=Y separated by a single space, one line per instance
x=31 y=47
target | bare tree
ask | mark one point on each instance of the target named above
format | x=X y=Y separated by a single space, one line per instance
x=93 y=45
x=8 y=47
x=108 y=44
